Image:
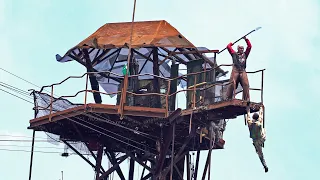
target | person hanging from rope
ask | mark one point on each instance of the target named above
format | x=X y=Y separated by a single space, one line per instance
x=257 y=133
x=239 y=73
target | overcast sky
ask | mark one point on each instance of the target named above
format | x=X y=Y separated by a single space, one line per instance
x=33 y=31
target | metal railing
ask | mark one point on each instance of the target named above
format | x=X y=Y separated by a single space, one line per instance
x=194 y=88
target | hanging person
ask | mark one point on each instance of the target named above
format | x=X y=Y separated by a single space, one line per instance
x=257 y=133
x=239 y=74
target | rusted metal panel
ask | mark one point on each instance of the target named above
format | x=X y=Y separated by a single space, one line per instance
x=98 y=108
x=145 y=34
x=235 y=103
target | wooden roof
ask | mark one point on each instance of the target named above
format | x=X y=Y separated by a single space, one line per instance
x=145 y=33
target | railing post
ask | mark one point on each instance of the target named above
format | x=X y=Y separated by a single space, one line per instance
x=194 y=92
x=51 y=102
x=262 y=86
x=264 y=117
x=167 y=98
x=86 y=93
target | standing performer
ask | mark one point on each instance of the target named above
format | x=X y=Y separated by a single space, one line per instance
x=257 y=133
x=238 y=73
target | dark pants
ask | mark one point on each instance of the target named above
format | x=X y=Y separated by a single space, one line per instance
x=236 y=77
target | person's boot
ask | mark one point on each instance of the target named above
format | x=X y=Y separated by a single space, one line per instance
x=266 y=169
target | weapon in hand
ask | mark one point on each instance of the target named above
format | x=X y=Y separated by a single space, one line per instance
x=256 y=29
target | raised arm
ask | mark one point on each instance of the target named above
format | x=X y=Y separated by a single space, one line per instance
x=248 y=118
x=229 y=47
x=249 y=46
x=261 y=115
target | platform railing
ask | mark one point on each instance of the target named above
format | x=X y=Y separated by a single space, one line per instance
x=194 y=88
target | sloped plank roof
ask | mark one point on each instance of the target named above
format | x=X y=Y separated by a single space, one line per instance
x=145 y=34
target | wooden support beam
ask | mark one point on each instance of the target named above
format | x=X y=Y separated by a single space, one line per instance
x=177 y=57
x=82 y=138
x=206 y=166
x=114 y=167
x=178 y=172
x=168 y=138
x=181 y=153
x=98 y=161
x=197 y=164
x=177 y=158
x=79 y=154
x=113 y=161
x=188 y=166
x=172 y=150
x=137 y=160
x=93 y=80
x=156 y=71
x=147 y=176
x=131 y=169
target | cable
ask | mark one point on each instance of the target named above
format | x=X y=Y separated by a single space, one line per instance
x=112 y=133
x=6 y=135
x=105 y=134
x=11 y=145
x=16 y=96
x=47 y=152
x=29 y=151
x=14 y=89
x=20 y=77
x=21 y=140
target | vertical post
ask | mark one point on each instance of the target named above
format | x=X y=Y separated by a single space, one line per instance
x=214 y=75
x=206 y=165
x=172 y=149
x=131 y=169
x=31 y=158
x=98 y=162
x=86 y=93
x=264 y=117
x=188 y=167
x=125 y=83
x=194 y=92
x=197 y=165
x=262 y=86
x=156 y=81
x=51 y=102
x=167 y=98
x=211 y=134
x=61 y=175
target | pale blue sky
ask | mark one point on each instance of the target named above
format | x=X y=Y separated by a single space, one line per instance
x=33 y=31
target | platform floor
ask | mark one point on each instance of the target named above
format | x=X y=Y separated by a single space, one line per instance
x=95 y=121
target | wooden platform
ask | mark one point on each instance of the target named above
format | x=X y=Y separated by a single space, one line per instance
x=94 y=121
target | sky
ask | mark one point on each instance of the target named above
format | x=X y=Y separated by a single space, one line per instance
x=32 y=32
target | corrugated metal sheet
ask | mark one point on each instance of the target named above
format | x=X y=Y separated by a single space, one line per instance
x=145 y=33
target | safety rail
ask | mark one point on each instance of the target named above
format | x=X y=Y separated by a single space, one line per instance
x=194 y=88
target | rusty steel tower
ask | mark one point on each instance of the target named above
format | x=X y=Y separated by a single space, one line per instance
x=145 y=124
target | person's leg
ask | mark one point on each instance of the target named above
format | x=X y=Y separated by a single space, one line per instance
x=245 y=85
x=233 y=82
x=258 y=147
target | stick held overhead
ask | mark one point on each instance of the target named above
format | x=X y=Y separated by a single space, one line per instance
x=256 y=29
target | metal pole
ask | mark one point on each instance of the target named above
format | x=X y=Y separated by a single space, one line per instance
x=61 y=175
x=86 y=93
x=172 y=150
x=51 y=102
x=125 y=83
x=264 y=118
x=31 y=158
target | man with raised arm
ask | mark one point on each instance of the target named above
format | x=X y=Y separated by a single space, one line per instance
x=238 y=73
x=257 y=133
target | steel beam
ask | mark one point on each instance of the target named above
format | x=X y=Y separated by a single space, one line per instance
x=114 y=167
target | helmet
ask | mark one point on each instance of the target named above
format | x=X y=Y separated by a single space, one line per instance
x=255 y=116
